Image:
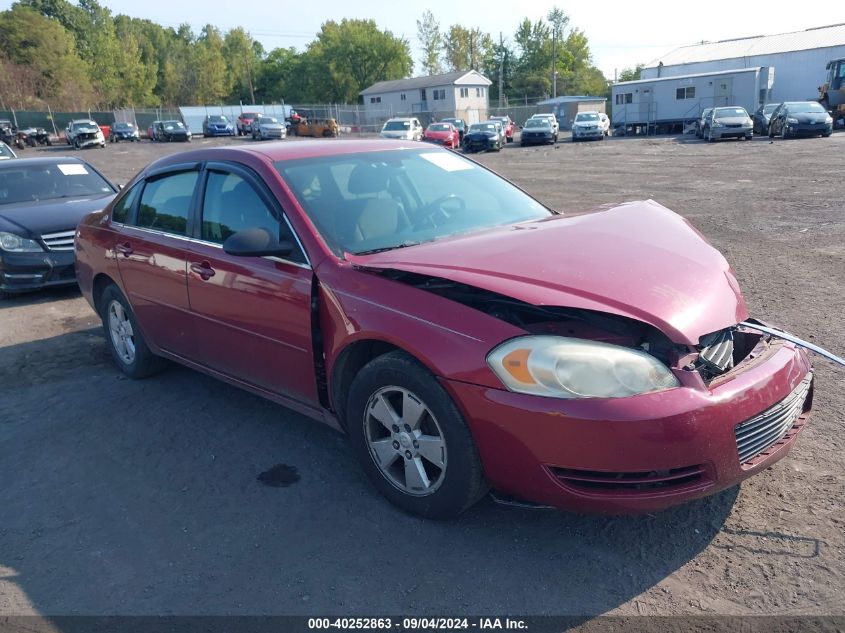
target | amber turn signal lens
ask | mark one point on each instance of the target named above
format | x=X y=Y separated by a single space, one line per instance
x=516 y=364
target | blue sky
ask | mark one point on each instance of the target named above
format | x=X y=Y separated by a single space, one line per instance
x=620 y=34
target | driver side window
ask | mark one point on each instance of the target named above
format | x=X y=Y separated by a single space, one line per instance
x=231 y=204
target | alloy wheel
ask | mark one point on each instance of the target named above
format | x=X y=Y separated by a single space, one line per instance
x=405 y=441
x=122 y=334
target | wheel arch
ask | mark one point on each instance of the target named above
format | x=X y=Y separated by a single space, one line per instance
x=98 y=287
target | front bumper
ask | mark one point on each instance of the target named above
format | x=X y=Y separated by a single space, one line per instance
x=629 y=455
x=534 y=138
x=176 y=137
x=731 y=132
x=89 y=142
x=809 y=129
x=219 y=132
x=21 y=272
x=479 y=146
x=271 y=134
x=580 y=133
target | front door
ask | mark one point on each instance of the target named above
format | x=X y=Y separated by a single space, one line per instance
x=724 y=91
x=151 y=257
x=252 y=314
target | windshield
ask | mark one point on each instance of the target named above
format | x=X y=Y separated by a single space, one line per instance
x=724 y=113
x=808 y=106
x=49 y=181
x=439 y=127
x=81 y=124
x=540 y=123
x=769 y=108
x=586 y=116
x=123 y=126
x=456 y=122
x=169 y=125
x=372 y=201
x=6 y=151
x=217 y=118
x=392 y=126
x=266 y=120
x=482 y=127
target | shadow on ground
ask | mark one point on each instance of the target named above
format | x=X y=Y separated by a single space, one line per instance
x=142 y=497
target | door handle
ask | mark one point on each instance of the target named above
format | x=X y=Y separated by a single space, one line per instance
x=203 y=269
x=124 y=249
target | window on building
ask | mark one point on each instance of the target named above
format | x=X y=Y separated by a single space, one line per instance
x=685 y=93
x=440 y=94
x=624 y=97
x=465 y=92
x=479 y=92
x=422 y=94
x=375 y=99
x=402 y=97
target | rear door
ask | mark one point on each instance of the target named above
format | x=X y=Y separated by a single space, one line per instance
x=252 y=314
x=152 y=257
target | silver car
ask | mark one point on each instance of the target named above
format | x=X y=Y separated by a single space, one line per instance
x=730 y=122
x=267 y=127
x=587 y=125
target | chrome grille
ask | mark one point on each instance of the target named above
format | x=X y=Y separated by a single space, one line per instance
x=62 y=241
x=718 y=350
x=756 y=435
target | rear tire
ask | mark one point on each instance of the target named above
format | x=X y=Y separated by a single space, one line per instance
x=396 y=409
x=124 y=338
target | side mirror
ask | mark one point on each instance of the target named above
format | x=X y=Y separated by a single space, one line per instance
x=256 y=243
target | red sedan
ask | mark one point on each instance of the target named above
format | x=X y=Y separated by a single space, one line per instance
x=444 y=134
x=463 y=335
x=507 y=124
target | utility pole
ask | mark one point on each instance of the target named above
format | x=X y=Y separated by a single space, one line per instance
x=554 y=61
x=501 y=67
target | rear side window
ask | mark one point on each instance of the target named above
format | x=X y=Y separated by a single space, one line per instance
x=120 y=211
x=166 y=203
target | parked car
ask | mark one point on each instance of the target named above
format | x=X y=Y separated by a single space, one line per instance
x=461 y=334
x=6 y=152
x=41 y=202
x=587 y=125
x=268 y=127
x=151 y=131
x=761 y=118
x=483 y=136
x=404 y=128
x=729 y=122
x=701 y=122
x=244 y=122
x=217 y=125
x=605 y=123
x=508 y=125
x=459 y=124
x=552 y=119
x=124 y=132
x=537 y=131
x=32 y=137
x=800 y=118
x=500 y=128
x=172 y=131
x=83 y=133
x=442 y=133
x=8 y=132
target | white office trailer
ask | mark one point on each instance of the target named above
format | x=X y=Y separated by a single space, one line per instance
x=671 y=104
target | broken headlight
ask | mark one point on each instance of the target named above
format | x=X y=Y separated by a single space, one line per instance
x=561 y=367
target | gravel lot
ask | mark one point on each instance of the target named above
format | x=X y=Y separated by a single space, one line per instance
x=123 y=497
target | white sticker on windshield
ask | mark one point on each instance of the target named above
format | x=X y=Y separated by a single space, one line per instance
x=447 y=161
x=73 y=169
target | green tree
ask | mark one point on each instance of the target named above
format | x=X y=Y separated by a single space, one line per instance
x=466 y=49
x=351 y=55
x=278 y=77
x=210 y=73
x=631 y=74
x=41 y=63
x=243 y=59
x=431 y=40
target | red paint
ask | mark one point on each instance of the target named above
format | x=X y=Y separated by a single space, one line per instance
x=250 y=324
x=448 y=138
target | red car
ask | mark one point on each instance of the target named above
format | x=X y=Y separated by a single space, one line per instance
x=463 y=335
x=443 y=134
x=508 y=124
x=244 y=122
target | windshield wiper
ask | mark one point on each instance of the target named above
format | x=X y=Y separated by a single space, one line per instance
x=373 y=251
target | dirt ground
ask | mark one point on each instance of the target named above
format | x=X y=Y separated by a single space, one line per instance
x=124 y=497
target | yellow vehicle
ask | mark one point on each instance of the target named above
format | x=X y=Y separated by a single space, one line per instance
x=832 y=93
x=319 y=128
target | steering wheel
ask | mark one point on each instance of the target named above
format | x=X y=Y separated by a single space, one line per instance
x=433 y=214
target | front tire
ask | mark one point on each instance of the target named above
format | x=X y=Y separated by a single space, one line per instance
x=127 y=344
x=411 y=439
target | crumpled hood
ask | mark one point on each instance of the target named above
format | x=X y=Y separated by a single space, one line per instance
x=638 y=260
